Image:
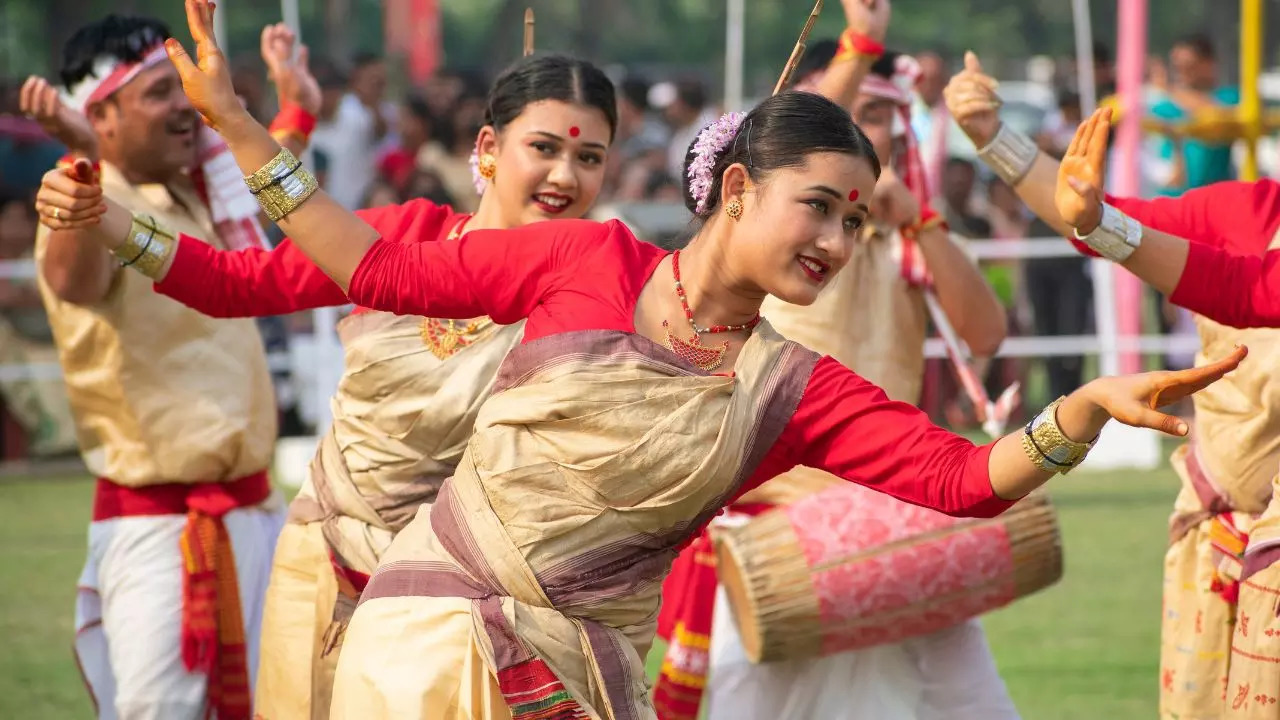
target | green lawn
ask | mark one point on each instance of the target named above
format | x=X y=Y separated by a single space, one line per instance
x=1086 y=648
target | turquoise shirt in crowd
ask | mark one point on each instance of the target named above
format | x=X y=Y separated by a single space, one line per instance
x=1205 y=163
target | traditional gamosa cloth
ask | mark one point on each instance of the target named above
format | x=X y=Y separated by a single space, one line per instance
x=872 y=318
x=402 y=414
x=1220 y=637
x=531 y=586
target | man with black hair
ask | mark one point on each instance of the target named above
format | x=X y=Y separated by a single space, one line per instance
x=174 y=410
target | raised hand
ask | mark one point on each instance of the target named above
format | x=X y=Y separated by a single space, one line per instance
x=207 y=79
x=39 y=100
x=868 y=17
x=1078 y=196
x=289 y=71
x=892 y=203
x=70 y=198
x=1134 y=399
x=972 y=100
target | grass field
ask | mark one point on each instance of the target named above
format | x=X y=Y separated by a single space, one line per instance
x=1086 y=648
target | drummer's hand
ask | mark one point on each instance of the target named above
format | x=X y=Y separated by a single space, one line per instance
x=69 y=198
x=207 y=79
x=1134 y=399
x=892 y=203
x=868 y=17
x=1078 y=195
x=290 y=73
x=971 y=99
x=39 y=100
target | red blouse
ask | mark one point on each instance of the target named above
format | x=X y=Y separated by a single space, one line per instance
x=259 y=282
x=1230 y=276
x=568 y=275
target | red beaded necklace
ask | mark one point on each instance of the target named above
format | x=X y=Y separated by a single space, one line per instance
x=692 y=351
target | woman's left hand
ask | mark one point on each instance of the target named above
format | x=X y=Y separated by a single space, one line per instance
x=207 y=79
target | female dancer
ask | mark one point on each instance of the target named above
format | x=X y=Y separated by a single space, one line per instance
x=408 y=399
x=532 y=583
x=1218 y=657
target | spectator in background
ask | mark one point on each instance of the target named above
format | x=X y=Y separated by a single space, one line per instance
x=350 y=138
x=1060 y=125
x=641 y=145
x=958 y=183
x=684 y=105
x=450 y=158
x=38 y=405
x=1104 y=70
x=248 y=76
x=1194 y=87
x=930 y=118
x=414 y=126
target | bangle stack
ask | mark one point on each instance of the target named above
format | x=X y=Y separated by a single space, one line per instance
x=1116 y=236
x=147 y=248
x=1047 y=447
x=282 y=185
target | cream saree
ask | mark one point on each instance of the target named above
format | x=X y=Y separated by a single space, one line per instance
x=401 y=419
x=1253 y=689
x=531 y=587
x=1226 y=478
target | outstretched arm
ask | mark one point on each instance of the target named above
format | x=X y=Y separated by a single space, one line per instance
x=334 y=238
x=846 y=426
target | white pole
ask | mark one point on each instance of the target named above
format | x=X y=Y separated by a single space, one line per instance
x=292 y=18
x=734 y=32
x=1104 y=294
x=220 y=26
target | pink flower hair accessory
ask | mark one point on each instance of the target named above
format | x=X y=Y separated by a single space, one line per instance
x=711 y=142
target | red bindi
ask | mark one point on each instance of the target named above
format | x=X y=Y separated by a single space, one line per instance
x=574 y=131
x=853 y=195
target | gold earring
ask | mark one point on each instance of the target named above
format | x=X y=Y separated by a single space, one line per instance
x=487 y=167
x=733 y=208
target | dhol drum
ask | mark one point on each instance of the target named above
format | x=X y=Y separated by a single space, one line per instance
x=849 y=568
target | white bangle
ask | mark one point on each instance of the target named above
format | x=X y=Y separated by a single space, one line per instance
x=1010 y=154
x=1116 y=237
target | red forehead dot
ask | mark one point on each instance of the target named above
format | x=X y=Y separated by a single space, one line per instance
x=574 y=131
x=853 y=195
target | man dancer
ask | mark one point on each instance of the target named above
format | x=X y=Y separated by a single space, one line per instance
x=174 y=411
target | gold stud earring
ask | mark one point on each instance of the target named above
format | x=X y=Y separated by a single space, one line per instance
x=487 y=167
x=733 y=208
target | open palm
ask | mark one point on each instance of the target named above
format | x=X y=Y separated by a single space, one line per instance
x=207 y=80
x=1078 y=195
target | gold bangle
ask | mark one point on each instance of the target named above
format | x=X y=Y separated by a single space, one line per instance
x=147 y=247
x=282 y=185
x=1047 y=447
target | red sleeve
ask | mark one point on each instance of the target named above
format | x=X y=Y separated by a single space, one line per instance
x=1239 y=216
x=258 y=282
x=1237 y=290
x=850 y=428
x=500 y=273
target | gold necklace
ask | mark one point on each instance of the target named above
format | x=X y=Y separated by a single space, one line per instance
x=444 y=337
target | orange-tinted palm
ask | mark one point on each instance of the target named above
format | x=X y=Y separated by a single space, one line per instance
x=207 y=80
x=1078 y=195
x=1133 y=399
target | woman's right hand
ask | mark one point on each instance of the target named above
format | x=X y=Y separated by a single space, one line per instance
x=69 y=199
x=207 y=80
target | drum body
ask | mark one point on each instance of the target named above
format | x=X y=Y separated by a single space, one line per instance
x=849 y=568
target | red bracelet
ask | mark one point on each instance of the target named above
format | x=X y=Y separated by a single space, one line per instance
x=292 y=121
x=929 y=219
x=855 y=44
x=68 y=162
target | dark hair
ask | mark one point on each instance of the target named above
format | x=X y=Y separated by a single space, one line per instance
x=550 y=77
x=1101 y=52
x=816 y=58
x=418 y=108
x=125 y=38
x=782 y=132
x=886 y=65
x=363 y=60
x=691 y=92
x=1199 y=43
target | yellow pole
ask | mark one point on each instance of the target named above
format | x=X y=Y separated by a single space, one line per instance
x=1250 y=69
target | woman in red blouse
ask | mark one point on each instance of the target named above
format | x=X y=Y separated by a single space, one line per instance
x=646 y=393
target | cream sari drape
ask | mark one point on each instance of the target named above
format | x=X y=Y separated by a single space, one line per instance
x=401 y=419
x=544 y=555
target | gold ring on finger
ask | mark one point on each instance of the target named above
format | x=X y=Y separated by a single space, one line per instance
x=57 y=213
